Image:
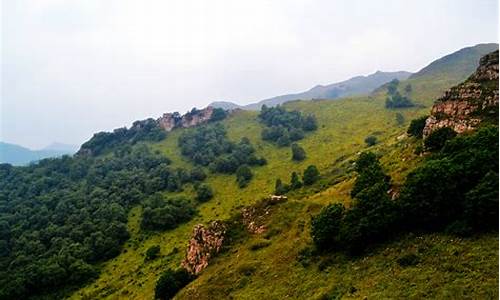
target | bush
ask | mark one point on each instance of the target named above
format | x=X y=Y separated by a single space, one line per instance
x=152 y=252
x=408 y=260
x=161 y=214
x=369 y=173
x=280 y=188
x=243 y=176
x=204 y=192
x=218 y=114
x=400 y=119
x=295 y=182
x=325 y=226
x=311 y=175
x=170 y=282
x=371 y=140
x=298 y=153
x=436 y=140
x=417 y=126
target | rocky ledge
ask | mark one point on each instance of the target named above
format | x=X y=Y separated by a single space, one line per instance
x=170 y=121
x=464 y=106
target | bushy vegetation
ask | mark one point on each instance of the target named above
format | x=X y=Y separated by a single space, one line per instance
x=146 y=130
x=417 y=126
x=152 y=252
x=203 y=192
x=395 y=99
x=298 y=153
x=371 y=140
x=208 y=146
x=243 y=176
x=60 y=217
x=400 y=119
x=170 y=282
x=218 y=114
x=162 y=213
x=284 y=127
x=311 y=175
x=436 y=139
x=455 y=190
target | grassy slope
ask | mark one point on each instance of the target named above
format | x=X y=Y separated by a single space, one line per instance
x=343 y=125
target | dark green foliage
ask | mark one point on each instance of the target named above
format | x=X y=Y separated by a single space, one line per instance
x=161 y=214
x=204 y=192
x=371 y=140
x=400 y=119
x=369 y=173
x=208 y=146
x=395 y=99
x=295 y=182
x=218 y=114
x=280 y=188
x=61 y=217
x=298 y=153
x=284 y=127
x=436 y=140
x=311 y=175
x=458 y=186
x=243 y=176
x=368 y=221
x=152 y=252
x=170 y=282
x=197 y=174
x=416 y=127
x=147 y=130
x=325 y=226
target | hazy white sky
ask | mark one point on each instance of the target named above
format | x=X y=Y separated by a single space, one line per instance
x=70 y=68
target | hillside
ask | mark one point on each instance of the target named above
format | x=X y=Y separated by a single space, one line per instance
x=109 y=222
x=17 y=155
x=359 y=85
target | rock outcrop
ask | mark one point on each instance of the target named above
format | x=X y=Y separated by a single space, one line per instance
x=169 y=121
x=466 y=105
x=204 y=244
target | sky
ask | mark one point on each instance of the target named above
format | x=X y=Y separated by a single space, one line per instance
x=70 y=68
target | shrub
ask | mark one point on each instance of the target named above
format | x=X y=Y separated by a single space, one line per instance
x=170 y=282
x=408 y=260
x=371 y=140
x=311 y=175
x=280 y=188
x=152 y=252
x=243 y=176
x=161 y=214
x=295 y=182
x=218 y=114
x=204 y=192
x=298 y=153
x=325 y=226
x=417 y=126
x=436 y=140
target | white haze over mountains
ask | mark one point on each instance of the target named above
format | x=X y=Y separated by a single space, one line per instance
x=72 y=68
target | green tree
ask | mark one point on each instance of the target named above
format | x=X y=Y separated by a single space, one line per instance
x=325 y=226
x=204 y=192
x=243 y=176
x=417 y=126
x=152 y=252
x=371 y=140
x=400 y=119
x=436 y=139
x=311 y=175
x=295 y=182
x=170 y=282
x=298 y=153
x=280 y=188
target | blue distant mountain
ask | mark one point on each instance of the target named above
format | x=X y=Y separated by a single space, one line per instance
x=18 y=156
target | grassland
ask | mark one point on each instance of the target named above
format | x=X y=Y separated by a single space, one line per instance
x=274 y=271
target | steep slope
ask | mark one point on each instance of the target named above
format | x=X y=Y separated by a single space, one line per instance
x=342 y=127
x=358 y=85
x=18 y=155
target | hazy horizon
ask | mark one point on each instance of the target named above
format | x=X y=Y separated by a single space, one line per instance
x=70 y=69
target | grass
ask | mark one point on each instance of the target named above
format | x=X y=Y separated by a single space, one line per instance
x=267 y=266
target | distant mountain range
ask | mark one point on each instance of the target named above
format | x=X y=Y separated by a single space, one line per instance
x=358 y=85
x=453 y=67
x=18 y=155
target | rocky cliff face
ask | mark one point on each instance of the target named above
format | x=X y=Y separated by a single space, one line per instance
x=170 y=121
x=466 y=105
x=205 y=243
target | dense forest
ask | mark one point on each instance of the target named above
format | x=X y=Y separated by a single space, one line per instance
x=60 y=217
